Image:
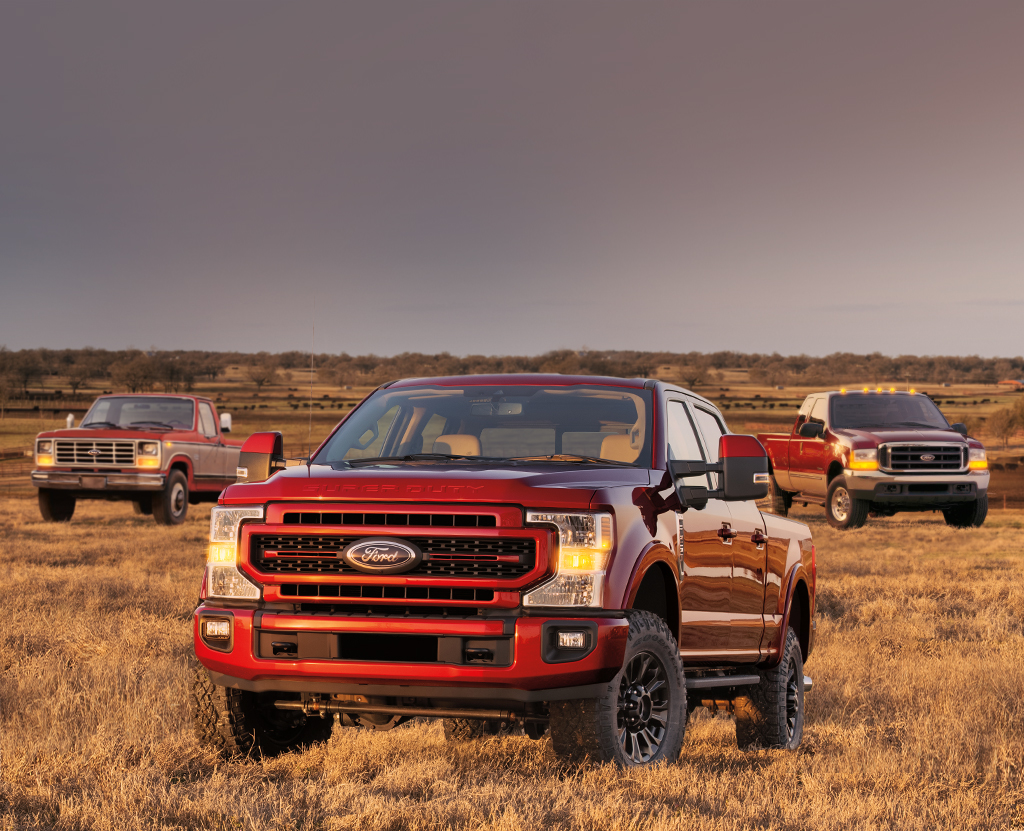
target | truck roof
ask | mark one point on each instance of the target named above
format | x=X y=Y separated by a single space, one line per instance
x=521 y=379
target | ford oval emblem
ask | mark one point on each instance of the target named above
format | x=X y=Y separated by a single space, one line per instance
x=93 y=452
x=380 y=555
x=927 y=457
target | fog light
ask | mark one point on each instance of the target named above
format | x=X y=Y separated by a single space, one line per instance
x=217 y=629
x=572 y=640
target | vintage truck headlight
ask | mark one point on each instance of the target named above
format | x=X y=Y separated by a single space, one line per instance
x=223 y=577
x=148 y=454
x=584 y=548
x=977 y=460
x=864 y=459
x=44 y=452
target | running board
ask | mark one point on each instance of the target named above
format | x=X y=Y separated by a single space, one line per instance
x=717 y=681
x=809 y=500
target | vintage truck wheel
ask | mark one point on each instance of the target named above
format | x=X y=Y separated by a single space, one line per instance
x=772 y=714
x=967 y=514
x=842 y=510
x=143 y=506
x=640 y=717
x=777 y=501
x=56 y=506
x=171 y=505
x=239 y=723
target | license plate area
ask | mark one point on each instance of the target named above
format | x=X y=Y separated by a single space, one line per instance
x=94 y=482
x=373 y=647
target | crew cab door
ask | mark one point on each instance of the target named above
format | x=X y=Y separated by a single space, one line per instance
x=208 y=473
x=747 y=546
x=705 y=559
x=807 y=455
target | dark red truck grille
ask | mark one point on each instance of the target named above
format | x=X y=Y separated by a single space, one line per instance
x=922 y=458
x=490 y=558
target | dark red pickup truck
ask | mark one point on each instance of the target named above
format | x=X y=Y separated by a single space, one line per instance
x=579 y=555
x=877 y=452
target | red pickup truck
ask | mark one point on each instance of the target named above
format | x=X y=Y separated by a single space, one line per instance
x=579 y=555
x=877 y=452
x=159 y=451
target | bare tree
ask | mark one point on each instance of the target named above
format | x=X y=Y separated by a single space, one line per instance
x=1002 y=424
x=80 y=374
x=262 y=373
x=135 y=374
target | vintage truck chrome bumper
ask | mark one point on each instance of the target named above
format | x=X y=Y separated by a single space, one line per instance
x=916 y=489
x=73 y=480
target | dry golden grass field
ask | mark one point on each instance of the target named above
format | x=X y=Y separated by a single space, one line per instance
x=916 y=720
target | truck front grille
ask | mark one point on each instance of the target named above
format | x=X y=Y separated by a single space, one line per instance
x=909 y=458
x=418 y=519
x=95 y=453
x=494 y=558
x=385 y=592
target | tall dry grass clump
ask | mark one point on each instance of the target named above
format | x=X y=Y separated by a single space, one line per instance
x=915 y=722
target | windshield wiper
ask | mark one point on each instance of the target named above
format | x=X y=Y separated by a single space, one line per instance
x=572 y=458
x=154 y=423
x=416 y=457
x=102 y=424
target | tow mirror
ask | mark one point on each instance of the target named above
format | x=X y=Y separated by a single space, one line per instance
x=225 y=422
x=812 y=430
x=261 y=456
x=960 y=427
x=743 y=469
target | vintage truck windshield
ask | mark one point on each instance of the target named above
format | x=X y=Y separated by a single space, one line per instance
x=557 y=424
x=140 y=413
x=880 y=410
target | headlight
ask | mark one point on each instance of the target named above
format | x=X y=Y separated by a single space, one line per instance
x=584 y=548
x=149 y=454
x=44 y=452
x=977 y=459
x=864 y=459
x=223 y=578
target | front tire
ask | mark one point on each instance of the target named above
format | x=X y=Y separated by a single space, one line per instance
x=640 y=717
x=772 y=715
x=237 y=723
x=842 y=509
x=56 y=506
x=967 y=514
x=170 y=506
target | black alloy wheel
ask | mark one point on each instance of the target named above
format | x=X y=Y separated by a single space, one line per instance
x=642 y=717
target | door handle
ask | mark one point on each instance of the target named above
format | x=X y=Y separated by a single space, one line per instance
x=727 y=534
x=758 y=538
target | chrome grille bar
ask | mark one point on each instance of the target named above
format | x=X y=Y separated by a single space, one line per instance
x=911 y=457
x=98 y=453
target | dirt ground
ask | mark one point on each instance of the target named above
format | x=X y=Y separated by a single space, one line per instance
x=916 y=720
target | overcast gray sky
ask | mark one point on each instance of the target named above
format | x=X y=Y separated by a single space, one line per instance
x=495 y=177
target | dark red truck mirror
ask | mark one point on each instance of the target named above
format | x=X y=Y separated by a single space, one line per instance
x=261 y=455
x=743 y=465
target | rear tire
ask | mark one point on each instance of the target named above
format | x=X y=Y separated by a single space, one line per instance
x=842 y=509
x=56 y=506
x=640 y=716
x=238 y=723
x=170 y=506
x=777 y=501
x=772 y=715
x=967 y=514
x=463 y=729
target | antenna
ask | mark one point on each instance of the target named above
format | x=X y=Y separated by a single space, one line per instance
x=312 y=344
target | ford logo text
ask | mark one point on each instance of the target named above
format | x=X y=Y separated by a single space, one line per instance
x=927 y=457
x=382 y=555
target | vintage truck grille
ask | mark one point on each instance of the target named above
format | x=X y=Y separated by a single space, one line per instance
x=911 y=458
x=496 y=558
x=93 y=453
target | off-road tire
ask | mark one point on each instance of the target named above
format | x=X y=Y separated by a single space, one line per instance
x=463 y=729
x=967 y=514
x=235 y=722
x=170 y=506
x=771 y=715
x=619 y=726
x=56 y=506
x=842 y=510
x=777 y=501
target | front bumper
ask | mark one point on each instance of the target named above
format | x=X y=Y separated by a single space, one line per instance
x=916 y=491
x=528 y=673
x=90 y=481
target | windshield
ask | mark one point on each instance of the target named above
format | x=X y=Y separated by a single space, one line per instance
x=140 y=413
x=431 y=424
x=885 y=410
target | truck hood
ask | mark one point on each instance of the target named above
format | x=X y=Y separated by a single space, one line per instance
x=553 y=486
x=106 y=435
x=883 y=436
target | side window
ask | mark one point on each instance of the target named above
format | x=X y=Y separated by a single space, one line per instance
x=206 y=420
x=682 y=440
x=710 y=429
x=819 y=410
